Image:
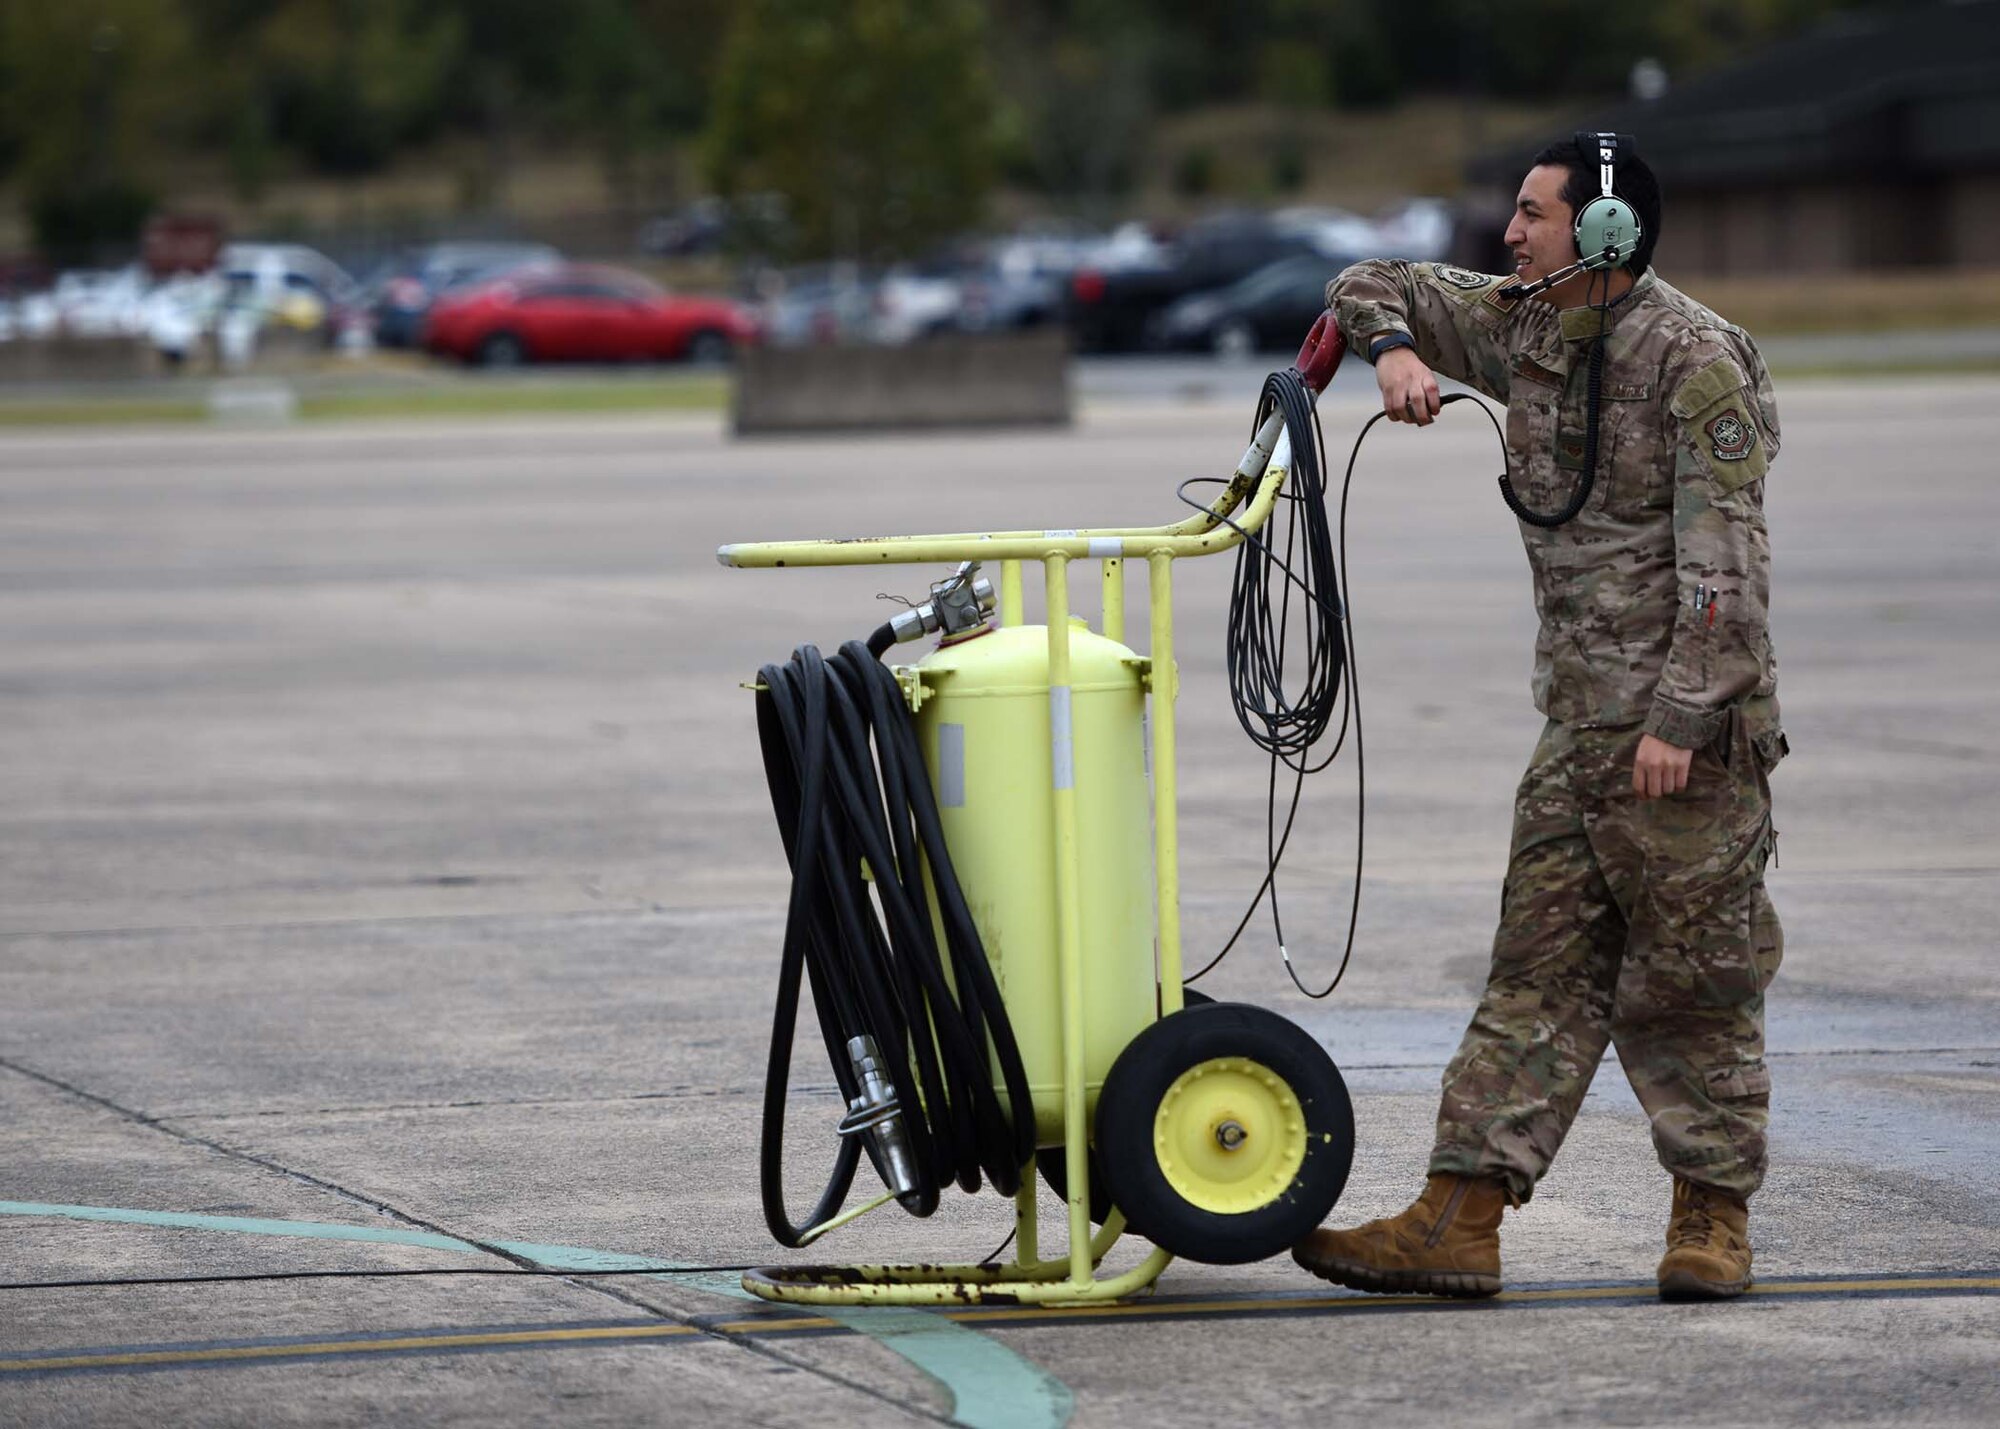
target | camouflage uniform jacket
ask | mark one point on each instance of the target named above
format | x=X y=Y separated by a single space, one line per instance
x=1687 y=429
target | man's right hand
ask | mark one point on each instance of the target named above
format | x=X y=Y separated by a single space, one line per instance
x=1409 y=390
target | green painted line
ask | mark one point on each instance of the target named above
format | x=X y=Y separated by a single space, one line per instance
x=243 y=1225
x=991 y=1387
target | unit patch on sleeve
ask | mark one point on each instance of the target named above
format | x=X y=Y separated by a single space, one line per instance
x=1731 y=437
x=1459 y=277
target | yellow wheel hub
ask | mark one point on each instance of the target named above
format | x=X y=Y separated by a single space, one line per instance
x=1230 y=1135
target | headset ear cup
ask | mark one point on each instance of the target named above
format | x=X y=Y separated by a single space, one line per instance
x=1607 y=223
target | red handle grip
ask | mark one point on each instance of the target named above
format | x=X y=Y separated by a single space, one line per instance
x=1325 y=345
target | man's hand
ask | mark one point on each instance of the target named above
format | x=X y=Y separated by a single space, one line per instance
x=1409 y=391
x=1661 y=768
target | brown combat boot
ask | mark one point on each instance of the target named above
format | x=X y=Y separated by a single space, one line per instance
x=1448 y=1243
x=1708 y=1245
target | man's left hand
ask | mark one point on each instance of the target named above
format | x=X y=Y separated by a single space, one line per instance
x=1661 y=768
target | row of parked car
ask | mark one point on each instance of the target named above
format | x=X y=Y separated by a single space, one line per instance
x=1230 y=283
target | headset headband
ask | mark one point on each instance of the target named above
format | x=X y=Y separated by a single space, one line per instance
x=1606 y=146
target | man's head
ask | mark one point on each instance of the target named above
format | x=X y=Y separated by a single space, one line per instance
x=1561 y=181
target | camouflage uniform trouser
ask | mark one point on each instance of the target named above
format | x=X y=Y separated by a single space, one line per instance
x=1639 y=922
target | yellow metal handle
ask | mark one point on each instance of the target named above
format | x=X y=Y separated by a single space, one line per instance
x=1256 y=481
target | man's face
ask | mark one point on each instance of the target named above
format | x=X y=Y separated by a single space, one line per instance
x=1542 y=236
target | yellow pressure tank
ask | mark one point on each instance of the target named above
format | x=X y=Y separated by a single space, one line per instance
x=984 y=726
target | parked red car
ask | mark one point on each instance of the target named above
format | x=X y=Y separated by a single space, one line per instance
x=582 y=314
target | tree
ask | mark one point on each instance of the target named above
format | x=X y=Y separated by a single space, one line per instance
x=88 y=92
x=634 y=80
x=874 y=118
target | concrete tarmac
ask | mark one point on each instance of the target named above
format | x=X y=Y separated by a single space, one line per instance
x=387 y=883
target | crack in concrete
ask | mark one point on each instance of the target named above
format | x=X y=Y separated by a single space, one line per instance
x=380 y=1207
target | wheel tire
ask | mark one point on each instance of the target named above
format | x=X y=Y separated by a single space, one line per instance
x=1235 y=341
x=1053 y=1161
x=709 y=348
x=502 y=349
x=1177 y=1086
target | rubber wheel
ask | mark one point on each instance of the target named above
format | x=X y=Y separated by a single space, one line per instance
x=1225 y=1133
x=502 y=349
x=1053 y=1161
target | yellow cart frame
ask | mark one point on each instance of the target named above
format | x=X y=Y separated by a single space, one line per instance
x=1072 y=1278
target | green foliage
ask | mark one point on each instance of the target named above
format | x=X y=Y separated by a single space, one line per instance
x=885 y=121
x=1288 y=164
x=87 y=95
x=346 y=82
x=1085 y=74
x=1194 y=172
x=874 y=117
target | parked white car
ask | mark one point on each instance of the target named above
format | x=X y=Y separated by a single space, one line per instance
x=292 y=285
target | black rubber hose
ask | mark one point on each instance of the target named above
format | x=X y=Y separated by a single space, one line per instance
x=850 y=791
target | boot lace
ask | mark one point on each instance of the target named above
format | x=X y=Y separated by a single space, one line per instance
x=1694 y=1222
x=1694 y=1227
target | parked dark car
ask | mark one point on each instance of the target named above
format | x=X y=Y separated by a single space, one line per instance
x=1108 y=308
x=1272 y=309
x=404 y=292
x=583 y=314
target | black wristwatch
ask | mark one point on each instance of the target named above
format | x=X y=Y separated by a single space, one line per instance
x=1386 y=341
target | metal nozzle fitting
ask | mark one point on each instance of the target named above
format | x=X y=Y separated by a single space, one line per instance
x=876 y=1111
x=958 y=603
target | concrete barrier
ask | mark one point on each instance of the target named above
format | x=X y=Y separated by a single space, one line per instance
x=999 y=379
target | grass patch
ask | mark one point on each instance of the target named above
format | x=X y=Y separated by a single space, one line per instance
x=471 y=398
x=699 y=394
x=107 y=411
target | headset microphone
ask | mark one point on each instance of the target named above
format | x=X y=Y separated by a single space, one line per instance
x=1541 y=285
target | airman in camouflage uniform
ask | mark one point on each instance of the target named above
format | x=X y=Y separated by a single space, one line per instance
x=1629 y=920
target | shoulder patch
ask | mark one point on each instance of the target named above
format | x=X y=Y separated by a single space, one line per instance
x=1731 y=435
x=1459 y=277
x=1719 y=379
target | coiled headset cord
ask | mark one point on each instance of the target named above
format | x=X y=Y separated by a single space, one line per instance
x=1285 y=725
x=1593 y=401
x=854 y=804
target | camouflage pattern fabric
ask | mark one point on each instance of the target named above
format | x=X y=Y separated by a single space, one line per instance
x=1636 y=922
x=1687 y=429
x=1627 y=921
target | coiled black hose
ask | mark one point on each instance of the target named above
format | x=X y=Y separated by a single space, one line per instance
x=849 y=788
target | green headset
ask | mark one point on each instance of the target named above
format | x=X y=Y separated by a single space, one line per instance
x=1608 y=231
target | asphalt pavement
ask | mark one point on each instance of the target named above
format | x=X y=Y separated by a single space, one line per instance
x=387 y=884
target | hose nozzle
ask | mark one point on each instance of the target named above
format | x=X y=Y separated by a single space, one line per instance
x=876 y=1111
x=958 y=603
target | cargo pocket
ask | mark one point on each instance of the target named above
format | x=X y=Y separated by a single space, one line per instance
x=1744 y=1081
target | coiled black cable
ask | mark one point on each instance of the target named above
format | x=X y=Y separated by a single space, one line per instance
x=855 y=810
x=1287 y=725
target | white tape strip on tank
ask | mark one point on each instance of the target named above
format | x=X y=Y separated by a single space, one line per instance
x=1061 y=747
x=951 y=766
